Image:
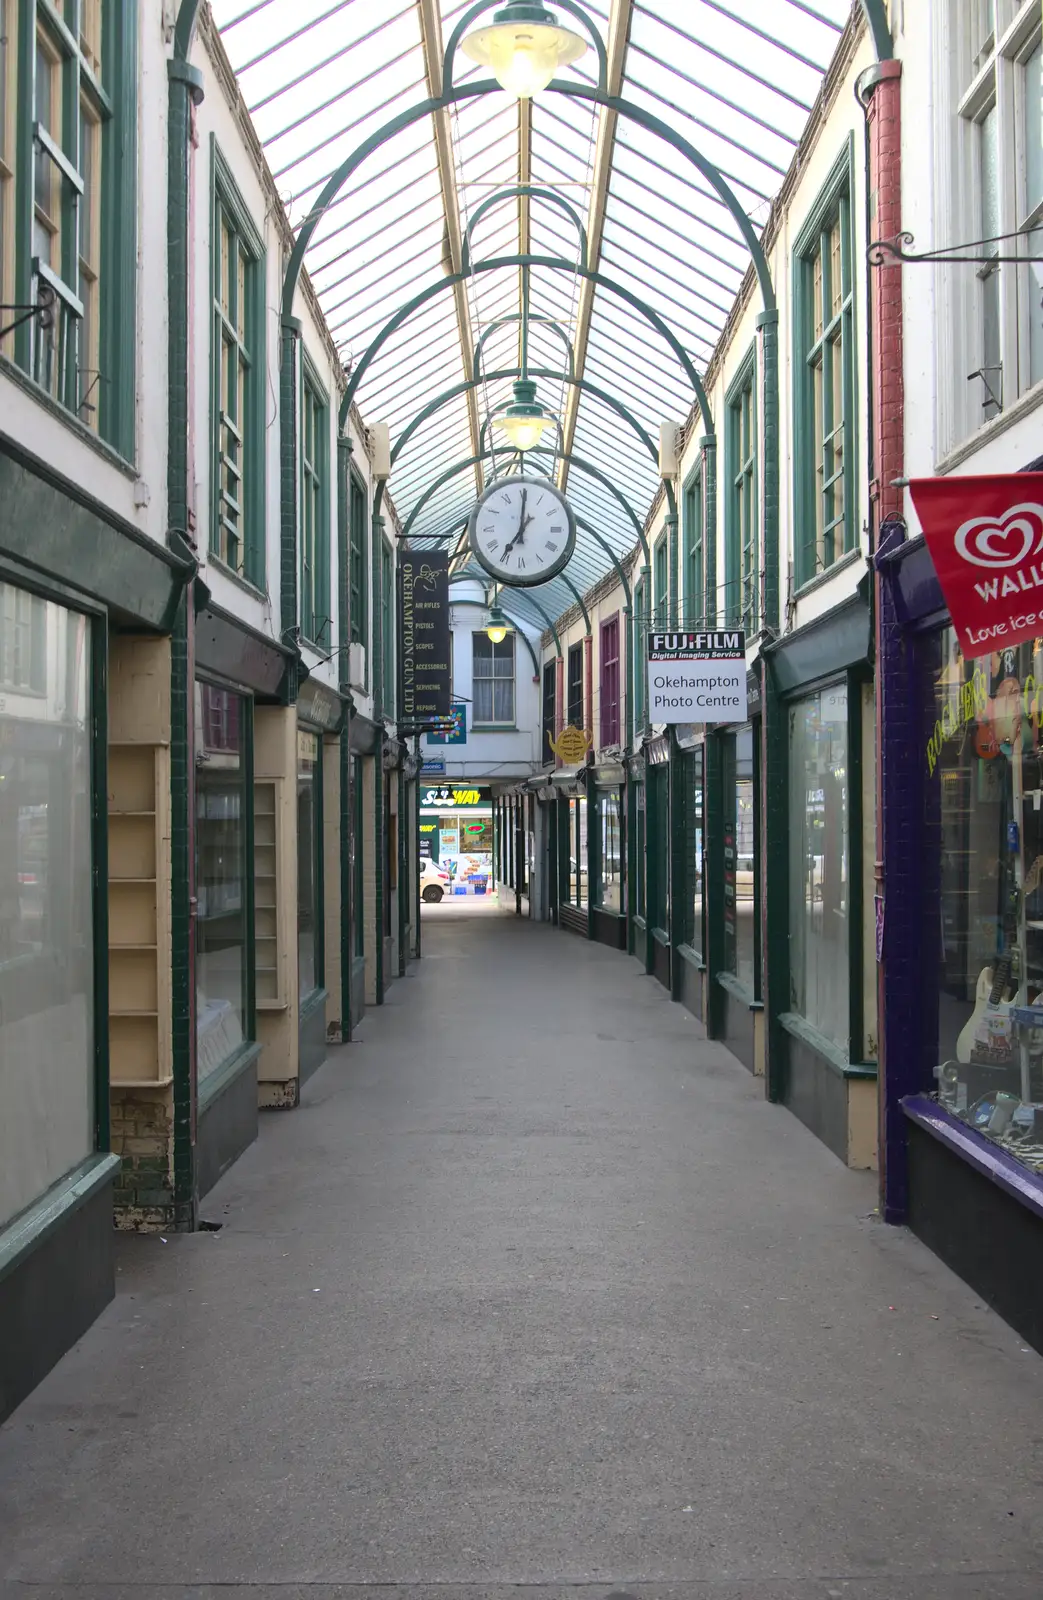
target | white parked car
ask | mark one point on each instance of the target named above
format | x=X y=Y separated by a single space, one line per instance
x=434 y=880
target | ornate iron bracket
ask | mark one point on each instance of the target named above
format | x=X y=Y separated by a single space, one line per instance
x=888 y=252
x=42 y=310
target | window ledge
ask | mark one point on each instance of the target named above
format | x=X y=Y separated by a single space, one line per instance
x=689 y=954
x=850 y=559
x=986 y=1158
x=494 y=727
x=107 y=452
x=799 y=1027
x=729 y=981
x=31 y=1227
x=215 y=1084
x=237 y=578
x=314 y=1000
x=661 y=936
x=1021 y=408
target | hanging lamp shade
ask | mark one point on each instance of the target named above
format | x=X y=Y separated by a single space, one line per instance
x=525 y=46
x=497 y=627
x=524 y=420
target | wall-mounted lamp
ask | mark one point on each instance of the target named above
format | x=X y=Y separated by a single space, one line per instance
x=525 y=46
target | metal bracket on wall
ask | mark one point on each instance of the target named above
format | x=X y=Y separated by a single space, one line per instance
x=42 y=309
x=888 y=252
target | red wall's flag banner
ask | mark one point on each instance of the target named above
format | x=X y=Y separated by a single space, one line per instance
x=985 y=535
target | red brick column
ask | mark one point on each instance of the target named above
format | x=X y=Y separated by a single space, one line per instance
x=588 y=679
x=882 y=95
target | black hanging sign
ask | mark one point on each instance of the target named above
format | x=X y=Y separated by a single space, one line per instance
x=423 y=628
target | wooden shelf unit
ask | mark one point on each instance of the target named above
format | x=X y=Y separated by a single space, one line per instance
x=139 y=914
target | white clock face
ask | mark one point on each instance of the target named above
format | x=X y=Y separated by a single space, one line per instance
x=522 y=531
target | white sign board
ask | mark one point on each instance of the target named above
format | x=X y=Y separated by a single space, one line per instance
x=697 y=677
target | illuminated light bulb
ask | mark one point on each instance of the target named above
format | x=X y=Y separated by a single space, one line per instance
x=525 y=47
x=524 y=420
x=497 y=627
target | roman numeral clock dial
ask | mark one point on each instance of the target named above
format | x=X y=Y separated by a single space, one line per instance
x=523 y=531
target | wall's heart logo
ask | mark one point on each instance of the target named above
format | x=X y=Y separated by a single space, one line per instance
x=1001 y=541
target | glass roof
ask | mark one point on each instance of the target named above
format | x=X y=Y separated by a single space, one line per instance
x=736 y=79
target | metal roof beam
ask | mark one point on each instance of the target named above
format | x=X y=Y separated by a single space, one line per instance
x=617 y=36
x=429 y=13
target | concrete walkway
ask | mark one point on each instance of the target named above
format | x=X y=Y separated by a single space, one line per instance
x=534 y=1297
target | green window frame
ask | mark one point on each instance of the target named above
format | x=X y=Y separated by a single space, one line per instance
x=641 y=622
x=742 y=519
x=694 y=558
x=825 y=402
x=387 y=629
x=315 y=618
x=237 y=358
x=358 y=561
x=68 y=204
x=661 y=581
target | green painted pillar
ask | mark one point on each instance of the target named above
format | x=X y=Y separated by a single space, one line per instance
x=708 y=448
x=775 y=849
x=379 y=885
x=713 y=860
x=681 y=891
x=631 y=860
x=184 y=89
x=289 y=369
x=674 y=556
x=768 y=324
x=593 y=847
x=348 y=911
x=403 y=873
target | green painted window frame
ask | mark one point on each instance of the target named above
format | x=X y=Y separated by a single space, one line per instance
x=817 y=474
x=243 y=552
x=694 y=551
x=358 y=559
x=661 y=581
x=641 y=621
x=742 y=510
x=358 y=876
x=387 y=628
x=102 y=401
x=315 y=610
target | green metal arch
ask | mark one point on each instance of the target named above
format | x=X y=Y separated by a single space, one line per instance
x=493 y=377
x=533 y=191
x=577 y=461
x=496 y=264
x=876 y=16
x=534 y=322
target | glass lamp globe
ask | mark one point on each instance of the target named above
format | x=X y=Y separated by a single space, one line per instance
x=497 y=627
x=525 y=46
x=524 y=420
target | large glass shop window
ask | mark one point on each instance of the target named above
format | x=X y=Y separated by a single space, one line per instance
x=578 y=853
x=694 y=764
x=639 y=843
x=309 y=776
x=740 y=860
x=610 y=821
x=221 y=943
x=46 y=928
x=819 y=856
x=984 y=759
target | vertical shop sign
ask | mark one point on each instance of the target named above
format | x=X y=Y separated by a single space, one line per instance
x=423 y=624
x=985 y=536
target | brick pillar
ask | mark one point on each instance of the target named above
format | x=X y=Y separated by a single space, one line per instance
x=896 y=864
x=588 y=679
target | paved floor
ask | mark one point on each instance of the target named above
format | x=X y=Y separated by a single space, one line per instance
x=534 y=1297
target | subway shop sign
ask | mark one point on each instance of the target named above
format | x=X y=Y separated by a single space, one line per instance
x=444 y=797
x=697 y=677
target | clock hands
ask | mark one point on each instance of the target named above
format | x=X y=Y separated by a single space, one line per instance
x=523 y=523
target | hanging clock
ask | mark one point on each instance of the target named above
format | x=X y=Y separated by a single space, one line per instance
x=523 y=531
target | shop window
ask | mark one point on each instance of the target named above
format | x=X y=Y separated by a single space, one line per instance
x=492 y=681
x=741 y=861
x=994 y=56
x=222 y=948
x=309 y=862
x=657 y=788
x=984 y=761
x=609 y=660
x=8 y=94
x=549 y=710
x=661 y=582
x=694 y=842
x=640 y=853
x=46 y=906
x=578 y=885
x=358 y=879
x=741 y=542
x=824 y=362
x=694 y=567
x=819 y=896
x=315 y=522
x=237 y=354
x=357 y=561
x=609 y=888
x=23 y=641
x=574 y=713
